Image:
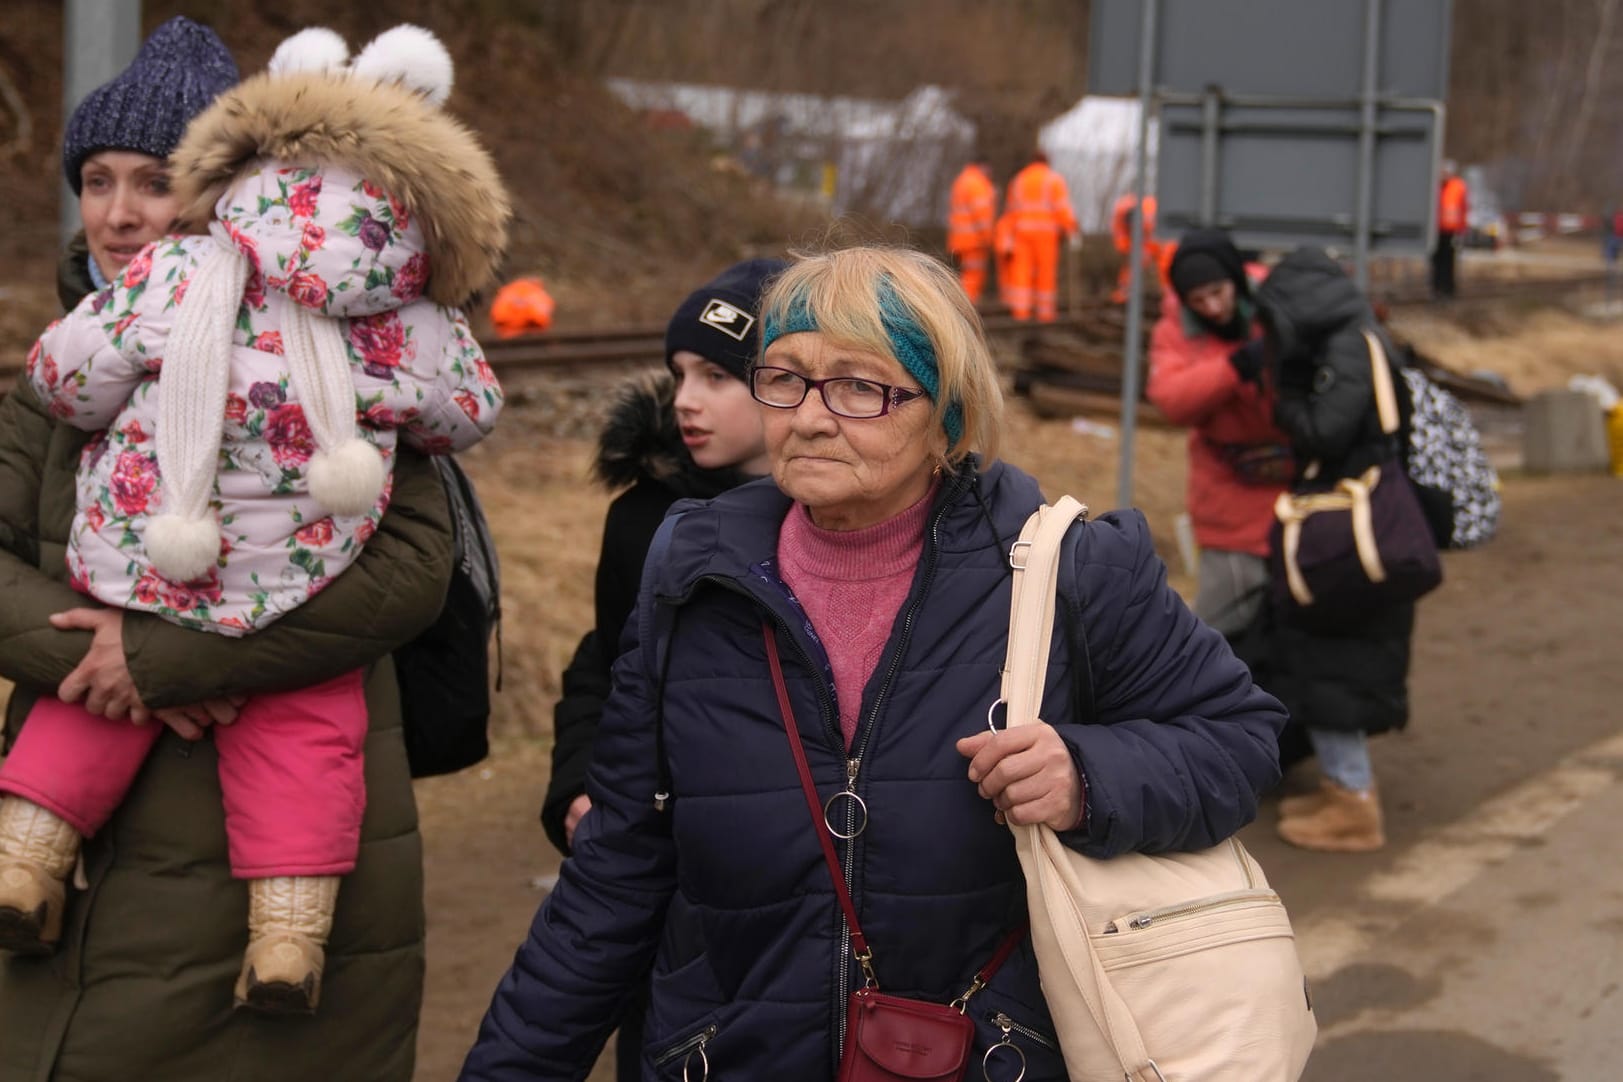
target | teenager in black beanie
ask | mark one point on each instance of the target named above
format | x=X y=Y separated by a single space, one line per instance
x=692 y=431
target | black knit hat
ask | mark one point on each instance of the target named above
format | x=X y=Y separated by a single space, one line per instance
x=1205 y=256
x=719 y=320
x=178 y=72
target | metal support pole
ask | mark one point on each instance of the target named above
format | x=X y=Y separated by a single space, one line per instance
x=99 y=39
x=1366 y=141
x=1211 y=105
x=1135 y=284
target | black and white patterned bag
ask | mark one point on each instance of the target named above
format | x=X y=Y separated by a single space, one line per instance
x=1446 y=458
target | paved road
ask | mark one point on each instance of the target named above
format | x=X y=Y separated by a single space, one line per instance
x=1486 y=942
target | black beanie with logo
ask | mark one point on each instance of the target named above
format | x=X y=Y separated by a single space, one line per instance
x=720 y=321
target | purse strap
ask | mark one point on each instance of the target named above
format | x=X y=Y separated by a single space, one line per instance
x=1035 y=559
x=860 y=949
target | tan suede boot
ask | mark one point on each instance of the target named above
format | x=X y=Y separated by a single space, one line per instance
x=37 y=852
x=289 y=919
x=1346 y=821
x=1304 y=804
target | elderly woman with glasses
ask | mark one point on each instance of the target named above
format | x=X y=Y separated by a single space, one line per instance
x=853 y=616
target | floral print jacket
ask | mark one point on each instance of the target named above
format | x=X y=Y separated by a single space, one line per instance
x=330 y=241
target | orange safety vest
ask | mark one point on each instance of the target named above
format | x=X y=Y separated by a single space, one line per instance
x=1451 y=206
x=970 y=211
x=1121 y=223
x=1038 y=201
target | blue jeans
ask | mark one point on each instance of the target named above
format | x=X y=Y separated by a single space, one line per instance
x=1343 y=757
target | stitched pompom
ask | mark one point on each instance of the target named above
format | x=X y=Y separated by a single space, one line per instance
x=348 y=479
x=182 y=549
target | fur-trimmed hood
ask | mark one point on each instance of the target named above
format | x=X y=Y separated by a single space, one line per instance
x=642 y=441
x=388 y=134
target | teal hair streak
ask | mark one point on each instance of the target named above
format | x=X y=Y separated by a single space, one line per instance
x=908 y=342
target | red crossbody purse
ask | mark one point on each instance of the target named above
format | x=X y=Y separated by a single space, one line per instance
x=888 y=1038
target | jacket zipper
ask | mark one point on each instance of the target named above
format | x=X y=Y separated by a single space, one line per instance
x=831 y=720
x=1137 y=922
x=1008 y=1025
x=853 y=765
x=688 y=1047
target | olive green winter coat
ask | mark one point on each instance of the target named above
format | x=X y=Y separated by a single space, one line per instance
x=140 y=988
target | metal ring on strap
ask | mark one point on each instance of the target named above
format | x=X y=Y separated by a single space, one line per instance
x=828 y=819
x=991 y=722
x=986 y=1060
x=704 y=1062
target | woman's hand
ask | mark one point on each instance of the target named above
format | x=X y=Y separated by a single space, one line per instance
x=577 y=811
x=1028 y=775
x=189 y=722
x=102 y=678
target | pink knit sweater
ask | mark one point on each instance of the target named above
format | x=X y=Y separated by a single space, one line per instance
x=851 y=584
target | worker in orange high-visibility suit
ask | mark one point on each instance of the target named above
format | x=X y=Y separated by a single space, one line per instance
x=1156 y=254
x=972 y=206
x=1452 y=211
x=1039 y=207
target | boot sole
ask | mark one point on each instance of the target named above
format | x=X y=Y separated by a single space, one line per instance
x=1334 y=845
x=280 y=997
x=24 y=933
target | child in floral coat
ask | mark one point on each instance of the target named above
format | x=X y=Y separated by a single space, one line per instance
x=252 y=383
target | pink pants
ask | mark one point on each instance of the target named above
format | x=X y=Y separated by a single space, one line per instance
x=291 y=774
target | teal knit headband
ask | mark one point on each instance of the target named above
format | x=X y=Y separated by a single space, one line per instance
x=907 y=341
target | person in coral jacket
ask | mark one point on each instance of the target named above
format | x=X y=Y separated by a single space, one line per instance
x=1039 y=208
x=1206 y=374
x=971 y=208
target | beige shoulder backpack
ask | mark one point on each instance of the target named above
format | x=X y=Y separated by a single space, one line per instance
x=1176 y=967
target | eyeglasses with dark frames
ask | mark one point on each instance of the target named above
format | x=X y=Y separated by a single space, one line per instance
x=845 y=396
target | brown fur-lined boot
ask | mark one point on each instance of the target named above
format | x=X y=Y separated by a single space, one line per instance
x=37 y=852
x=289 y=919
x=1345 y=821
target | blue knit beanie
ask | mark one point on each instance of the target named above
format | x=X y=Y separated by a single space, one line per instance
x=178 y=72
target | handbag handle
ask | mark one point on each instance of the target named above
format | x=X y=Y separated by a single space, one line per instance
x=859 y=943
x=1386 y=398
x=1031 y=623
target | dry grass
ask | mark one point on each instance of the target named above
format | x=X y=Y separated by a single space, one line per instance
x=1532 y=349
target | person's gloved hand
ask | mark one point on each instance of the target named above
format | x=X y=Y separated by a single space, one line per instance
x=1249 y=359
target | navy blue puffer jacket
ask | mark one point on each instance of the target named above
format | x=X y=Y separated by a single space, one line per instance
x=725 y=894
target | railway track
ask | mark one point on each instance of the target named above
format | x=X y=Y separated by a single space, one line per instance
x=1097 y=319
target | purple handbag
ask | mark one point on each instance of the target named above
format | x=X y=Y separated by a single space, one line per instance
x=1363 y=544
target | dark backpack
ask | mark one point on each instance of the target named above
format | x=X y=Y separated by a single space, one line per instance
x=444 y=673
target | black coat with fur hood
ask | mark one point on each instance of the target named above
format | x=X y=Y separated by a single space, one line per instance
x=640 y=451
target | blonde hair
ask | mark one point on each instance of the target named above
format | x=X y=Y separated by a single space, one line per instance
x=859 y=296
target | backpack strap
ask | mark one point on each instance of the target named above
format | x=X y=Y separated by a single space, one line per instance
x=472 y=532
x=656 y=622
